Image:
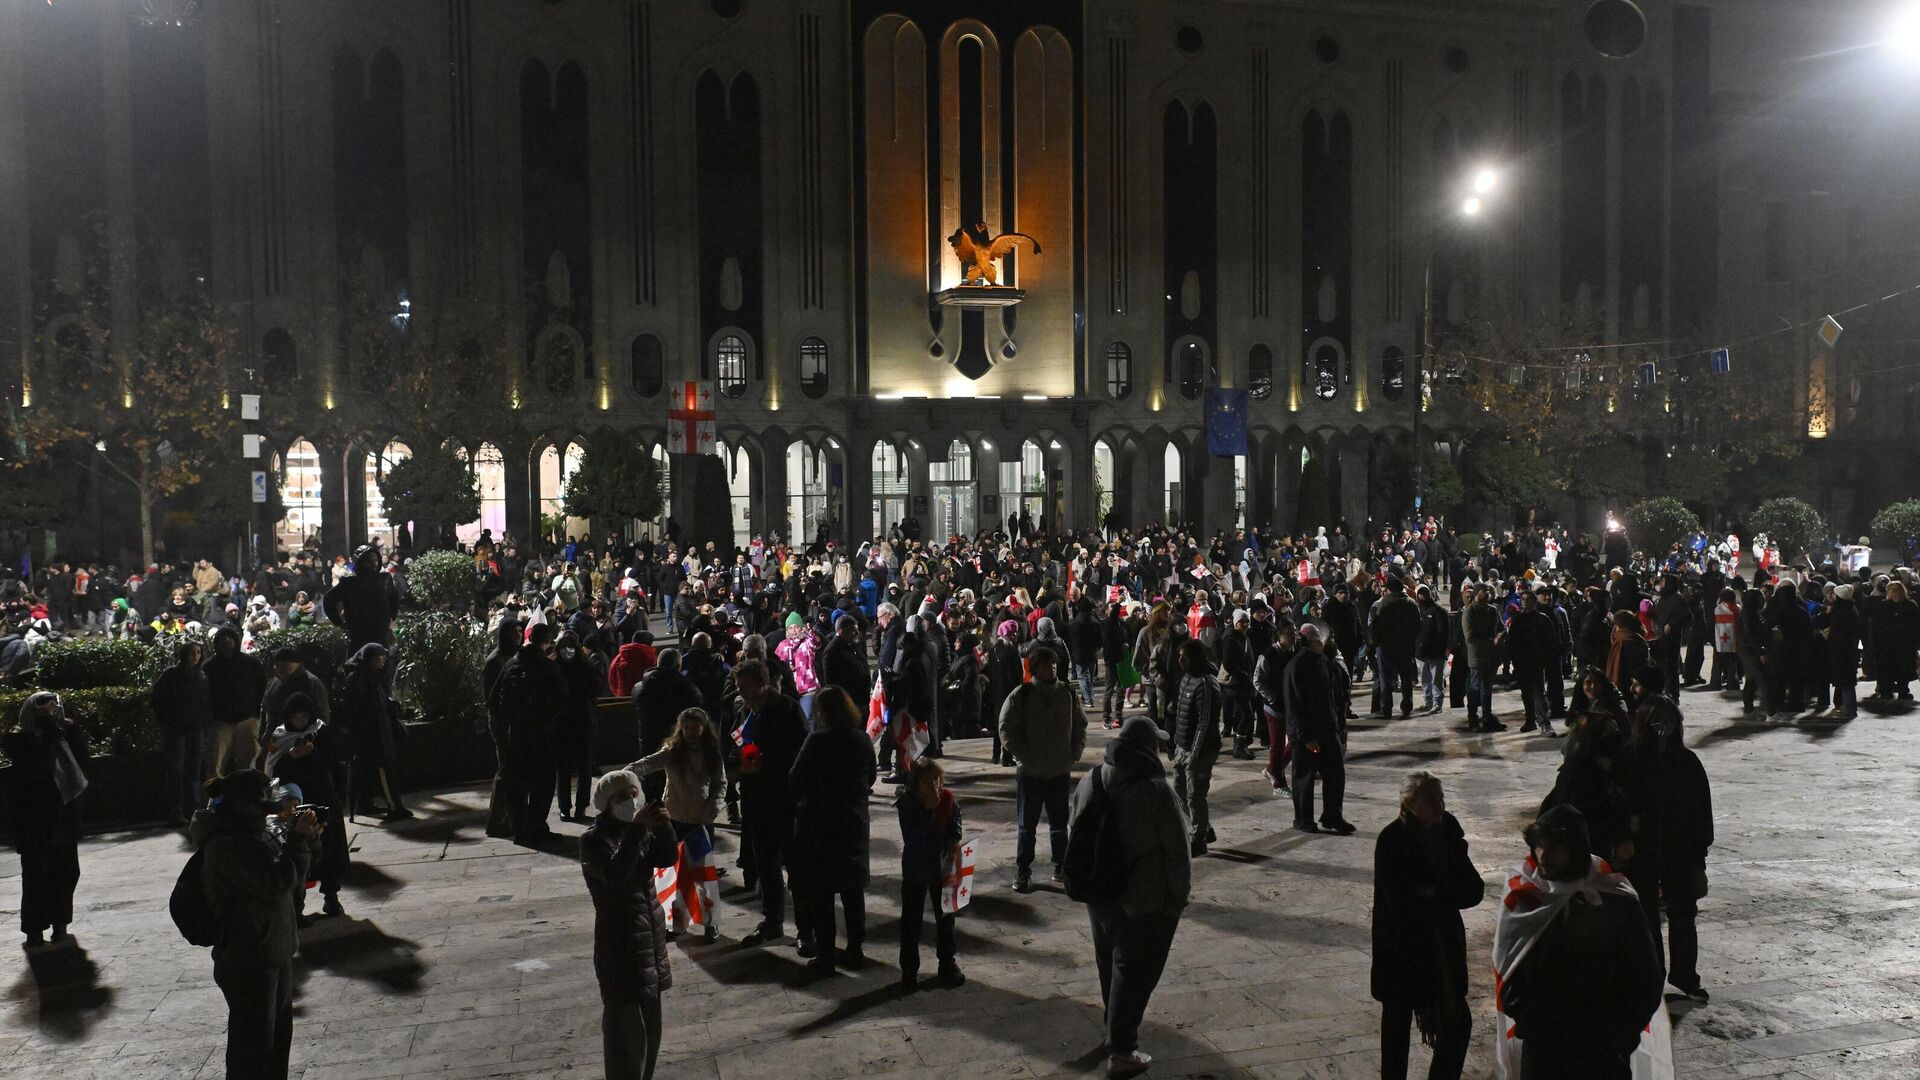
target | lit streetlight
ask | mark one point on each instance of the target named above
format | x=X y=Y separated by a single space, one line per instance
x=1482 y=184
x=1903 y=32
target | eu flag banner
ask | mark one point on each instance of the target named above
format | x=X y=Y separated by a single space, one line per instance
x=1226 y=422
x=1722 y=360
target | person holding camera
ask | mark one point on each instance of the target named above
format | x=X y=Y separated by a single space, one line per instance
x=619 y=852
x=43 y=791
x=310 y=752
x=251 y=882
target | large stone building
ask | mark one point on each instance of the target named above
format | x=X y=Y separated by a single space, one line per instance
x=759 y=194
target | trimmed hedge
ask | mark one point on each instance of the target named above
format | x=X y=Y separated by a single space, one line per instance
x=91 y=662
x=440 y=659
x=117 y=718
x=322 y=649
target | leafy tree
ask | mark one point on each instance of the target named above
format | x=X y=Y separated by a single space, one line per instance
x=155 y=404
x=1441 y=488
x=617 y=481
x=1508 y=475
x=1657 y=524
x=433 y=488
x=1702 y=480
x=1611 y=469
x=1796 y=527
x=1897 y=526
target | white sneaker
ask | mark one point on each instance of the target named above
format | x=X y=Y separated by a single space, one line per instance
x=1132 y=1063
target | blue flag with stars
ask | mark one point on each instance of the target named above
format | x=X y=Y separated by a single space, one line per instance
x=1226 y=422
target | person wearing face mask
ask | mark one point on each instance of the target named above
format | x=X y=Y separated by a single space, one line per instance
x=1422 y=880
x=310 y=753
x=252 y=880
x=1578 y=981
x=619 y=852
x=43 y=801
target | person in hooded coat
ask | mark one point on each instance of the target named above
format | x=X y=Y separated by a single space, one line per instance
x=1422 y=879
x=1895 y=626
x=628 y=840
x=1196 y=739
x=180 y=704
x=43 y=791
x=364 y=604
x=573 y=744
x=372 y=719
x=506 y=644
x=531 y=693
x=1843 y=652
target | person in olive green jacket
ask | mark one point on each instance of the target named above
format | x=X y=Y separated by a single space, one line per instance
x=252 y=877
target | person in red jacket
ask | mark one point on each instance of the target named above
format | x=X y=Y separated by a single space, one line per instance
x=634 y=659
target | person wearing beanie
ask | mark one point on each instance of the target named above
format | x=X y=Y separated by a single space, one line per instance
x=628 y=840
x=1579 y=983
x=251 y=880
x=1842 y=633
x=1133 y=934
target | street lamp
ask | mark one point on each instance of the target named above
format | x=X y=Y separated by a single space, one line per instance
x=1903 y=32
x=1482 y=184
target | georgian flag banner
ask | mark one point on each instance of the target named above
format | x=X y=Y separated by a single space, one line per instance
x=956 y=888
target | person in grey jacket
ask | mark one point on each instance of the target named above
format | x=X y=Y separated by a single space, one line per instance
x=252 y=881
x=1045 y=729
x=1131 y=938
x=1196 y=739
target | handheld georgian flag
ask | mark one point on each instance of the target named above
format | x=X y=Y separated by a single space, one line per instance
x=956 y=888
x=877 y=711
x=666 y=881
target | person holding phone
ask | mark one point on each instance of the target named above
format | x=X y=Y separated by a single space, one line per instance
x=619 y=852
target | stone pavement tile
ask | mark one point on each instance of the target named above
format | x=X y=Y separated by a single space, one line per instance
x=163 y=1066
x=1833 y=1038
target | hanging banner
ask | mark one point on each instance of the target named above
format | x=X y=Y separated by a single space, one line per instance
x=1226 y=422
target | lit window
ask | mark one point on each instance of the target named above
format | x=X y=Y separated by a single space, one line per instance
x=1260 y=372
x=813 y=367
x=1119 y=370
x=730 y=365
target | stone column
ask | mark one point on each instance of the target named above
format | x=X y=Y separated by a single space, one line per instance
x=517 y=487
x=333 y=496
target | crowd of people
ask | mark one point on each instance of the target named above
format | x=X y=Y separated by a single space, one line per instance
x=793 y=680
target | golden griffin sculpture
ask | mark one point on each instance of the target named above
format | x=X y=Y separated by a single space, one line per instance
x=977 y=252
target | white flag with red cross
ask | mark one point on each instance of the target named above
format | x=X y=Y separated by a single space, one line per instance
x=956 y=889
x=666 y=881
x=692 y=427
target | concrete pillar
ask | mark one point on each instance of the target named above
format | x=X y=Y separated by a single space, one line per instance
x=353 y=475
x=856 y=521
x=1284 y=480
x=333 y=495
x=1353 y=486
x=517 y=487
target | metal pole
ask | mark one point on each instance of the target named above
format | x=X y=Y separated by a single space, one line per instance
x=1420 y=366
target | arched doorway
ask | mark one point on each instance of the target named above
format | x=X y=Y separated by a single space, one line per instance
x=386 y=533
x=955 y=495
x=1172 y=488
x=300 y=495
x=489 y=467
x=1103 y=480
x=739 y=465
x=806 y=492
x=1023 y=483
x=889 y=468
x=552 y=471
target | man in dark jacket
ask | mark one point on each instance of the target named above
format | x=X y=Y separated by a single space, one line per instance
x=628 y=840
x=1237 y=657
x=1430 y=650
x=1269 y=684
x=1422 y=879
x=843 y=663
x=1582 y=993
x=1314 y=732
x=236 y=684
x=658 y=700
x=1533 y=644
x=771 y=731
x=1196 y=740
x=1672 y=620
x=1394 y=625
x=530 y=693
x=180 y=704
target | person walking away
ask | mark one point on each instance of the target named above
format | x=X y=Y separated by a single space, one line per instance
x=1843 y=653
x=1133 y=929
x=1196 y=740
x=236 y=685
x=573 y=743
x=1577 y=977
x=1113 y=648
x=1533 y=643
x=1672 y=620
x=372 y=720
x=910 y=689
x=1238 y=655
x=1084 y=640
x=1726 y=658
x=690 y=764
x=1153 y=658
x=619 y=852
x=1315 y=734
x=1430 y=651
x=180 y=703
x=1393 y=626
x=831 y=779
x=1672 y=819
x=1269 y=682
x=311 y=753
x=1481 y=625
x=1422 y=879
x=43 y=790
x=251 y=881
x=930 y=831
x=1045 y=730
x=771 y=732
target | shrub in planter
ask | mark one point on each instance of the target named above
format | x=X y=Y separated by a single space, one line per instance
x=1796 y=527
x=1897 y=528
x=440 y=657
x=322 y=649
x=441 y=581
x=90 y=662
x=118 y=719
x=1657 y=524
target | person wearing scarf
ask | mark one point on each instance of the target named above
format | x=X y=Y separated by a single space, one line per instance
x=1577 y=984
x=1627 y=648
x=1422 y=879
x=43 y=802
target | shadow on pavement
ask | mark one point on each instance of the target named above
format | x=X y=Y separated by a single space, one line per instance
x=359 y=949
x=65 y=982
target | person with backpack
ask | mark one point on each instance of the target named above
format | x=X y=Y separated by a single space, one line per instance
x=1127 y=860
x=240 y=893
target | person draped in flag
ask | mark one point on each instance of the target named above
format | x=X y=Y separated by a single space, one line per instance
x=769 y=735
x=930 y=831
x=831 y=778
x=689 y=758
x=1576 y=980
x=619 y=852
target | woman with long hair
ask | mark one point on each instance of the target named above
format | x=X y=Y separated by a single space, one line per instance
x=696 y=777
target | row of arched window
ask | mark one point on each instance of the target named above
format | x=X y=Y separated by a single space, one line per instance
x=1323 y=371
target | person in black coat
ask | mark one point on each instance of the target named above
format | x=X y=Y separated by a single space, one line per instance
x=771 y=731
x=843 y=662
x=573 y=744
x=1595 y=777
x=830 y=779
x=506 y=644
x=961 y=687
x=619 y=852
x=659 y=698
x=1315 y=734
x=1672 y=821
x=1895 y=634
x=43 y=791
x=180 y=704
x=531 y=693
x=364 y=604
x=371 y=719
x=312 y=753
x=1422 y=880
x=909 y=689
x=236 y=685
x=1843 y=652
x=1114 y=644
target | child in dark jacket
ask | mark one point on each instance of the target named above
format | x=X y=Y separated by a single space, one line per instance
x=929 y=835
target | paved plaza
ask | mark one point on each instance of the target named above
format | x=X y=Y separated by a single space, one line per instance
x=463 y=956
